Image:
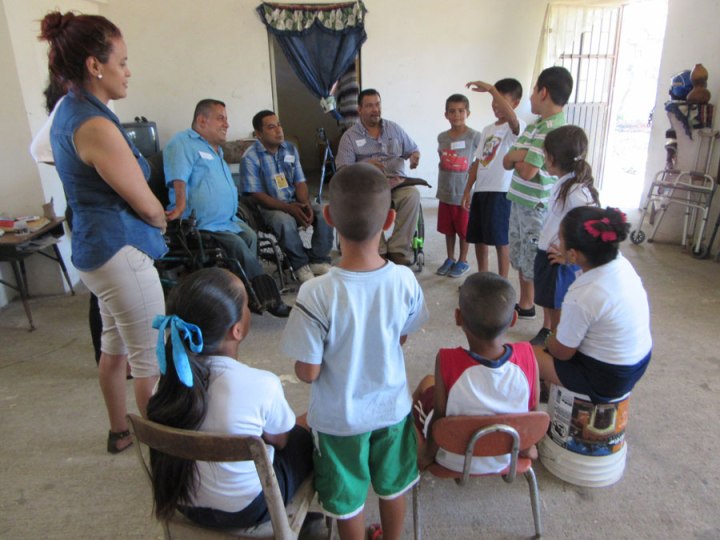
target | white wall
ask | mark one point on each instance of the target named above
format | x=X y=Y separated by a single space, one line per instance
x=690 y=38
x=181 y=51
x=25 y=186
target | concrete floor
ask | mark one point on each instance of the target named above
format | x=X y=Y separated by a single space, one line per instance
x=58 y=481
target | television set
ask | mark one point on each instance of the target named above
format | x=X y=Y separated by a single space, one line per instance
x=144 y=136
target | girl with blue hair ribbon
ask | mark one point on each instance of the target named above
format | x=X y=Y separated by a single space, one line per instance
x=203 y=386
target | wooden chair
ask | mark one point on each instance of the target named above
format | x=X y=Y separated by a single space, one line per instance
x=488 y=436
x=285 y=522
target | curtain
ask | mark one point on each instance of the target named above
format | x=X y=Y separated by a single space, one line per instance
x=320 y=42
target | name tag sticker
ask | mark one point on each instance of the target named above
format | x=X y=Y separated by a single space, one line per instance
x=205 y=155
x=289 y=158
x=281 y=181
x=457 y=145
x=360 y=143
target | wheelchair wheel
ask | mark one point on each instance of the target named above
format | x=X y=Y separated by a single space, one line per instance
x=701 y=252
x=419 y=261
x=418 y=243
x=637 y=237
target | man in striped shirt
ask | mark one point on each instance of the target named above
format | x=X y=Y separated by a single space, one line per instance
x=270 y=172
x=531 y=184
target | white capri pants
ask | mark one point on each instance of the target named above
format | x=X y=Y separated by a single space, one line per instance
x=130 y=295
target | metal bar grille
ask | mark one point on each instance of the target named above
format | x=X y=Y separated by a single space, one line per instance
x=586 y=44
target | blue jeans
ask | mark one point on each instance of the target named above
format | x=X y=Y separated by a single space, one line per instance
x=243 y=247
x=285 y=228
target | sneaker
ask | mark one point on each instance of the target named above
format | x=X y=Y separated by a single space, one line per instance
x=525 y=313
x=541 y=336
x=304 y=274
x=281 y=310
x=320 y=268
x=460 y=268
x=445 y=268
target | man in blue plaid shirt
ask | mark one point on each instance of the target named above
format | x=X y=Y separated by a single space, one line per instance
x=270 y=172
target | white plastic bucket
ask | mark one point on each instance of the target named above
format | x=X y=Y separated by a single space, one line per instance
x=585 y=443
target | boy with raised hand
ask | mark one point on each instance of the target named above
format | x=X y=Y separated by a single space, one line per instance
x=346 y=334
x=531 y=184
x=489 y=377
x=489 y=206
x=456 y=148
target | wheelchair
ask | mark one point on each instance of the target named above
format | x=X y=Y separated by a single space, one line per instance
x=190 y=249
x=417 y=244
x=268 y=246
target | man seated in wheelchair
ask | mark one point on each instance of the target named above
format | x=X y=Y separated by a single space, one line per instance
x=490 y=377
x=271 y=174
x=200 y=182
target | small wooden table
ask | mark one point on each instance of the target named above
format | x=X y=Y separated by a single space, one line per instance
x=15 y=248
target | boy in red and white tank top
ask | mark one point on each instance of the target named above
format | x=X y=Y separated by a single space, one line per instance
x=489 y=377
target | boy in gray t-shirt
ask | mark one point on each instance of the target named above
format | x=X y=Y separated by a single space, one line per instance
x=456 y=148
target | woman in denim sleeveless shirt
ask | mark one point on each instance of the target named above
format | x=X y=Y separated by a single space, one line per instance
x=118 y=222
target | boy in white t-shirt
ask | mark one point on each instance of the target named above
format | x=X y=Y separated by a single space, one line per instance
x=489 y=207
x=346 y=332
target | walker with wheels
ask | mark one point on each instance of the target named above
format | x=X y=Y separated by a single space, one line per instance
x=684 y=182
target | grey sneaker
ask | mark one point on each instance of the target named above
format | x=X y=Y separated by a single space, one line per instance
x=320 y=268
x=304 y=274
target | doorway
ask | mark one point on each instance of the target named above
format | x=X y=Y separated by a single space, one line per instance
x=301 y=115
x=636 y=83
x=613 y=52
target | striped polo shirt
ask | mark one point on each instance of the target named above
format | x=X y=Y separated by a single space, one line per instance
x=536 y=191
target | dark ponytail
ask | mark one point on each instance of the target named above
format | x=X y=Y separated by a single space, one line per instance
x=595 y=232
x=212 y=299
x=568 y=147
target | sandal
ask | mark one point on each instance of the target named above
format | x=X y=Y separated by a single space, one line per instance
x=374 y=532
x=114 y=438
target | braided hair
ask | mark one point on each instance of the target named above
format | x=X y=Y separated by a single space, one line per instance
x=568 y=147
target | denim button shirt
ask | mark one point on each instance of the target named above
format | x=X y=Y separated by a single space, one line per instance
x=103 y=222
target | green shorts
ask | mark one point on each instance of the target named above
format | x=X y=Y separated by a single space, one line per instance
x=346 y=465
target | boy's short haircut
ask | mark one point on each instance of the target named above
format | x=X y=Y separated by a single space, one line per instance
x=487 y=304
x=510 y=87
x=359 y=201
x=559 y=83
x=457 y=98
x=367 y=92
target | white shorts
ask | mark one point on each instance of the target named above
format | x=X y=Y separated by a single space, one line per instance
x=130 y=295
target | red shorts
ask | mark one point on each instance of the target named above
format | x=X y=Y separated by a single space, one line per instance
x=452 y=219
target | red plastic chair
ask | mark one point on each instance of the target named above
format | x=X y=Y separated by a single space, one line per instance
x=485 y=436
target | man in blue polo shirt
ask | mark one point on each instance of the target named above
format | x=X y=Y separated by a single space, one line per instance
x=270 y=172
x=200 y=181
x=385 y=144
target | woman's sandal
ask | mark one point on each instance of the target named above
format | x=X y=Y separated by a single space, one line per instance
x=114 y=438
x=374 y=532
